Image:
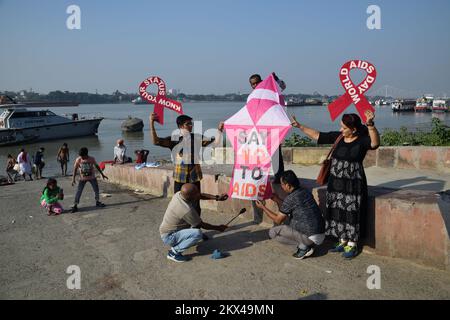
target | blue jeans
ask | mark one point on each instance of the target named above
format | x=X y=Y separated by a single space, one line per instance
x=80 y=188
x=183 y=239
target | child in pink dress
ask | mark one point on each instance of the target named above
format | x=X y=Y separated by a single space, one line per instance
x=50 y=196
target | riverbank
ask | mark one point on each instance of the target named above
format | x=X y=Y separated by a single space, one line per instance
x=122 y=257
x=206 y=115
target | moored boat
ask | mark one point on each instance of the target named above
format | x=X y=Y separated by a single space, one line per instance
x=440 y=105
x=424 y=104
x=139 y=100
x=20 y=125
x=402 y=105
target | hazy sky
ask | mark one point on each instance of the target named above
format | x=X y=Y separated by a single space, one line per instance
x=207 y=46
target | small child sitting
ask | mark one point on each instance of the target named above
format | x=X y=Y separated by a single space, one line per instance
x=141 y=155
x=50 y=196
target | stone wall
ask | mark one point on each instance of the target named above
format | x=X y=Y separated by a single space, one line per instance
x=427 y=158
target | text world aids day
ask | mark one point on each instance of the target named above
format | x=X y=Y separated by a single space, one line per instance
x=364 y=86
x=354 y=93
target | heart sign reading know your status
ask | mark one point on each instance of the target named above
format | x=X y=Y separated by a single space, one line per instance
x=354 y=94
x=160 y=100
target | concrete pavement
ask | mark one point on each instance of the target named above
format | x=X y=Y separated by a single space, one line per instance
x=121 y=256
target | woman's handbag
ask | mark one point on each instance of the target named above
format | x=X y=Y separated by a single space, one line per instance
x=324 y=173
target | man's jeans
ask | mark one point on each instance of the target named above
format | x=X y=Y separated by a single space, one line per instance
x=183 y=239
x=81 y=185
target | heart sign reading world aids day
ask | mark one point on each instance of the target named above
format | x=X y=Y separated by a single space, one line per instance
x=354 y=94
x=160 y=100
x=255 y=133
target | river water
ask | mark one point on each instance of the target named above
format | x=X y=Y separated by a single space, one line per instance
x=210 y=113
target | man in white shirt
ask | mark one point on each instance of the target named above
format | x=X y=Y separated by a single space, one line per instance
x=119 y=153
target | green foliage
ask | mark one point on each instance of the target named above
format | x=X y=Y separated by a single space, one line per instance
x=438 y=136
x=295 y=140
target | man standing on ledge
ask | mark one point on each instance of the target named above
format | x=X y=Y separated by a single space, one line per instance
x=181 y=224
x=186 y=153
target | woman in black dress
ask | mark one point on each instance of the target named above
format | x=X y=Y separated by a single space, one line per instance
x=346 y=199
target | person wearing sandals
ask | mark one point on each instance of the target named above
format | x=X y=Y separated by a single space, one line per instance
x=346 y=199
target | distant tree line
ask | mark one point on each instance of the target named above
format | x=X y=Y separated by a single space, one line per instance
x=79 y=97
x=120 y=97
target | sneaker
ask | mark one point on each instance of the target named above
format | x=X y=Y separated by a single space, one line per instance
x=303 y=253
x=177 y=257
x=74 y=209
x=99 y=204
x=350 y=252
x=339 y=247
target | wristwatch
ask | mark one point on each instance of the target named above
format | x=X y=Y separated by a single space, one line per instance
x=370 y=124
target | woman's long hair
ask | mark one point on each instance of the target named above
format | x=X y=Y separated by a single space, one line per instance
x=353 y=121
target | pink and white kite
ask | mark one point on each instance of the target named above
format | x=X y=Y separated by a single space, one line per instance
x=255 y=133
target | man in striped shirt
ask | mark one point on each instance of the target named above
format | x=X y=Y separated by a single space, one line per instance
x=186 y=152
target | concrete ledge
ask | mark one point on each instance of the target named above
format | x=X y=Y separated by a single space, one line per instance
x=409 y=224
x=413 y=225
x=427 y=158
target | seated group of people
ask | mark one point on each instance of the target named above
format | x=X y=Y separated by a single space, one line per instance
x=120 y=156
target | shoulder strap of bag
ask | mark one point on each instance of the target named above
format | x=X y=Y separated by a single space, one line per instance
x=334 y=146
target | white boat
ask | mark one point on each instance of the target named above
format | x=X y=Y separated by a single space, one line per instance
x=139 y=100
x=383 y=102
x=424 y=104
x=440 y=105
x=402 y=105
x=19 y=125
